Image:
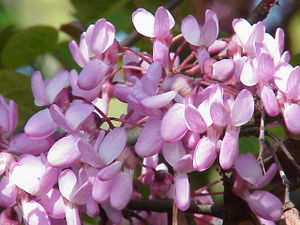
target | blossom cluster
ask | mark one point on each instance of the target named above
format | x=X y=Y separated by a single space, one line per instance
x=189 y=111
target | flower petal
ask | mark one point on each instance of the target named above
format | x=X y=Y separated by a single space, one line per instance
x=8 y=192
x=182 y=191
x=194 y=120
x=243 y=108
x=92 y=74
x=163 y=22
x=34 y=213
x=159 y=101
x=67 y=183
x=265 y=205
x=77 y=113
x=60 y=119
x=110 y=171
x=205 y=154
x=55 y=85
x=210 y=29
x=173 y=152
x=190 y=24
x=88 y=154
x=229 y=148
x=293 y=84
x=242 y=165
x=291 y=117
x=149 y=141
x=219 y=114
x=173 y=125
x=27 y=173
x=101 y=190
x=64 y=152
x=143 y=22
x=121 y=190
x=40 y=125
x=110 y=149
x=267 y=177
x=22 y=144
x=38 y=89
x=248 y=76
x=270 y=101
x=103 y=36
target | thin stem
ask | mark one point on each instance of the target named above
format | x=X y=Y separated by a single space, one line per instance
x=142 y=56
x=133 y=68
x=282 y=174
x=284 y=149
x=185 y=61
x=207 y=82
x=261 y=139
x=106 y=119
x=209 y=194
x=261 y=11
x=174 y=214
x=124 y=121
x=176 y=38
x=179 y=49
x=204 y=188
x=128 y=214
x=193 y=70
x=231 y=211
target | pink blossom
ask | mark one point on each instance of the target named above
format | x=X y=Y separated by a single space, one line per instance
x=8 y=116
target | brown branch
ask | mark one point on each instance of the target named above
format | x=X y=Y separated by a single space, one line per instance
x=261 y=139
x=261 y=11
x=282 y=174
x=233 y=212
x=285 y=150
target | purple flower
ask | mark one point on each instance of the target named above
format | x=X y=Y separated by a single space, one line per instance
x=263 y=204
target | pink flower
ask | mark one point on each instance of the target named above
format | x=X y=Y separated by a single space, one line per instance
x=201 y=36
x=93 y=43
x=46 y=92
x=34 y=213
x=33 y=175
x=8 y=116
x=156 y=27
x=263 y=204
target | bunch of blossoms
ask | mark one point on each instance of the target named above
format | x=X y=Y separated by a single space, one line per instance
x=189 y=111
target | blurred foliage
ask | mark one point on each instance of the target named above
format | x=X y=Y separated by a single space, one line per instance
x=5 y=34
x=26 y=45
x=17 y=87
x=294 y=33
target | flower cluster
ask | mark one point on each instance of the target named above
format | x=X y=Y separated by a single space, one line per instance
x=189 y=111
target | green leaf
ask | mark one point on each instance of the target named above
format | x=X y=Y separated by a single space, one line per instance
x=277 y=130
x=117 y=12
x=86 y=220
x=16 y=86
x=90 y=11
x=248 y=144
x=63 y=54
x=144 y=190
x=295 y=60
x=5 y=34
x=23 y=47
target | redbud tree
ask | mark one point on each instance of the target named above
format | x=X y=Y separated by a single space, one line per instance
x=190 y=101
